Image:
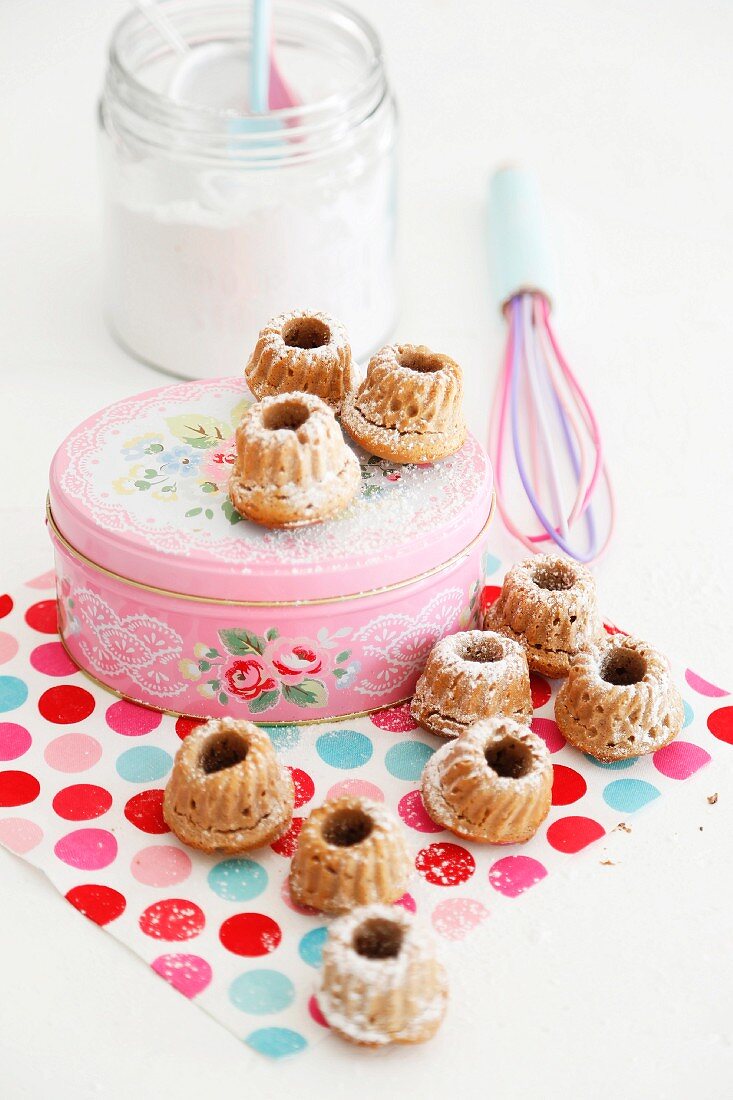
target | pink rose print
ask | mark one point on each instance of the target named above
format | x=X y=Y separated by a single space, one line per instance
x=247 y=678
x=295 y=659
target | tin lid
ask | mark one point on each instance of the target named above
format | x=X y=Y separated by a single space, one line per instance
x=141 y=489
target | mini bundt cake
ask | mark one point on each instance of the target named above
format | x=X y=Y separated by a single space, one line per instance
x=492 y=784
x=293 y=465
x=351 y=851
x=409 y=406
x=548 y=604
x=470 y=676
x=381 y=982
x=619 y=701
x=307 y=352
x=227 y=791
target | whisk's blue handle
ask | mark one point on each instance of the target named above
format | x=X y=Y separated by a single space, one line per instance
x=519 y=253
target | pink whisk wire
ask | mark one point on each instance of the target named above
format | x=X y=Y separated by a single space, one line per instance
x=533 y=360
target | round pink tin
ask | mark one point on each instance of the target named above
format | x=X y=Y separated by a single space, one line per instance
x=169 y=598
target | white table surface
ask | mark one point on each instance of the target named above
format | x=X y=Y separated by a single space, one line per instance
x=613 y=982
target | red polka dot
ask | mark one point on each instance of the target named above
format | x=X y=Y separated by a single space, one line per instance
x=567 y=785
x=100 y=904
x=172 y=919
x=132 y=720
x=316 y=1014
x=412 y=810
x=445 y=864
x=610 y=628
x=250 y=934
x=18 y=788
x=305 y=788
x=489 y=594
x=720 y=724
x=52 y=660
x=550 y=734
x=571 y=834
x=145 y=812
x=82 y=802
x=541 y=690
x=43 y=617
x=394 y=719
x=185 y=725
x=66 y=704
x=288 y=842
x=6 y=605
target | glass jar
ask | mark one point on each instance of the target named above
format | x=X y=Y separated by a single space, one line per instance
x=215 y=221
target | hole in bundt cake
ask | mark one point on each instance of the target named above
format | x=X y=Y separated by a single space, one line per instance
x=510 y=759
x=484 y=651
x=623 y=667
x=286 y=414
x=345 y=828
x=378 y=939
x=306 y=333
x=420 y=360
x=222 y=751
x=555 y=576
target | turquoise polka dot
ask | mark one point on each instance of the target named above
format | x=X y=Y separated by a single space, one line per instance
x=310 y=947
x=406 y=759
x=611 y=765
x=13 y=693
x=143 y=764
x=238 y=879
x=283 y=737
x=261 y=992
x=629 y=794
x=490 y=563
x=344 y=748
x=689 y=713
x=276 y=1042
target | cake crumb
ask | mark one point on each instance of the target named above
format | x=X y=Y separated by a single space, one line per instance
x=623 y=827
x=713 y=798
x=608 y=863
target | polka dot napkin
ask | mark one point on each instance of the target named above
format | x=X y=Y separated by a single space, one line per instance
x=81 y=785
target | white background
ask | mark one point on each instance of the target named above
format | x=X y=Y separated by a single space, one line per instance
x=617 y=981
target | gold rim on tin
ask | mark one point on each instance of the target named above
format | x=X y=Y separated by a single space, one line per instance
x=250 y=718
x=218 y=601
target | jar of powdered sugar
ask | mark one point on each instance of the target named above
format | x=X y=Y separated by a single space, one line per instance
x=215 y=219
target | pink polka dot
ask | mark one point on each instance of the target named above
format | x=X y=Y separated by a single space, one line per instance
x=572 y=834
x=8 y=647
x=358 y=788
x=680 y=759
x=72 y=752
x=550 y=734
x=407 y=902
x=161 y=865
x=52 y=660
x=87 y=849
x=46 y=580
x=20 y=835
x=14 y=740
x=189 y=974
x=412 y=811
x=703 y=687
x=132 y=720
x=306 y=910
x=316 y=1014
x=512 y=875
x=454 y=918
x=394 y=719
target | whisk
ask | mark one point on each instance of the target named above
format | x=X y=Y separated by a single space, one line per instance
x=540 y=412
